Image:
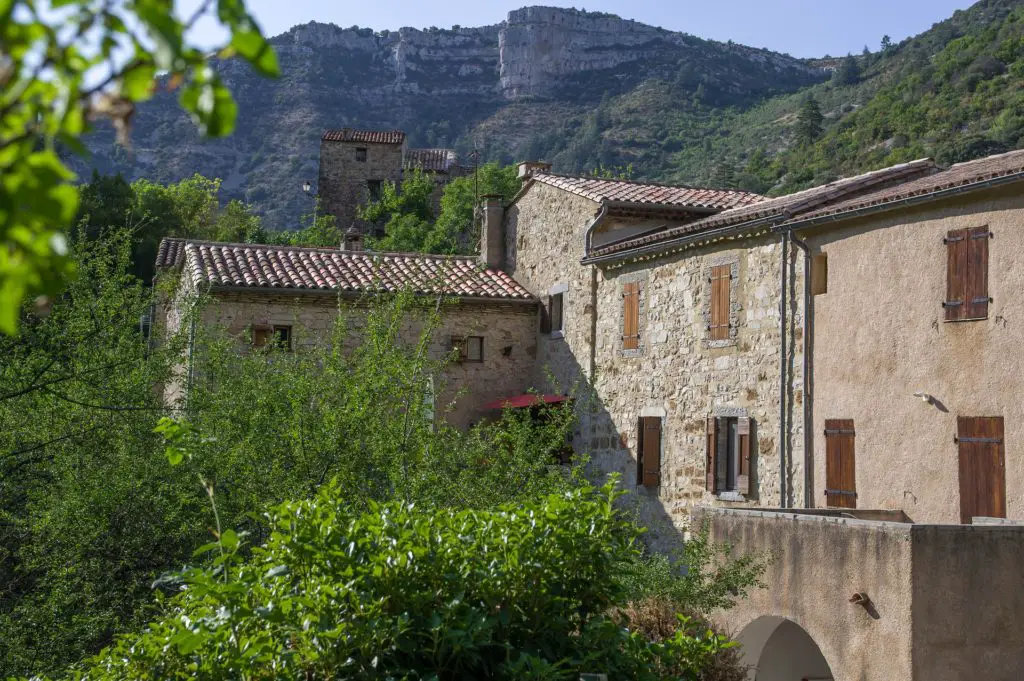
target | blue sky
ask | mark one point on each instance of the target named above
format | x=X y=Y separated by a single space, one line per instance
x=804 y=28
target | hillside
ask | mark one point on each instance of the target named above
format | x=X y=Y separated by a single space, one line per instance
x=584 y=89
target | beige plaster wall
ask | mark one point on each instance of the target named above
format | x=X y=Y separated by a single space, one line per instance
x=819 y=562
x=467 y=386
x=879 y=336
x=679 y=374
x=968 y=602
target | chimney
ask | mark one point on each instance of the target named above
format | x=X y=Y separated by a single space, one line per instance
x=353 y=240
x=492 y=232
x=528 y=169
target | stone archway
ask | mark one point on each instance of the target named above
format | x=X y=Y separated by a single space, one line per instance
x=778 y=649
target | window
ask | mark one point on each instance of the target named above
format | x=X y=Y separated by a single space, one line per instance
x=374 y=188
x=982 y=454
x=967 y=274
x=468 y=348
x=361 y=154
x=631 y=316
x=555 y=303
x=840 y=464
x=721 y=278
x=279 y=336
x=819 y=274
x=648 y=451
x=728 y=454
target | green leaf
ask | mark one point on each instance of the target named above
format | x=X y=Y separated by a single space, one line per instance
x=137 y=84
x=229 y=539
x=255 y=49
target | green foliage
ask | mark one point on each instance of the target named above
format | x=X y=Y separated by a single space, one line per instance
x=848 y=72
x=407 y=214
x=396 y=591
x=62 y=67
x=808 y=122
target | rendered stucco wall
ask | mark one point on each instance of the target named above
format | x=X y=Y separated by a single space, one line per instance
x=880 y=336
x=468 y=385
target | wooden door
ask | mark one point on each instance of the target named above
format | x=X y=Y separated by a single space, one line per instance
x=840 y=464
x=982 y=454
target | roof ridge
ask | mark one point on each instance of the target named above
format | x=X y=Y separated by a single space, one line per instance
x=322 y=249
x=539 y=176
x=985 y=158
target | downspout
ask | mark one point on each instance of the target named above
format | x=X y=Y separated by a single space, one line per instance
x=598 y=219
x=783 y=289
x=808 y=336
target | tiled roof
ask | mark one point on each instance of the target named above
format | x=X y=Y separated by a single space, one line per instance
x=961 y=174
x=791 y=204
x=656 y=195
x=368 y=136
x=436 y=160
x=275 y=268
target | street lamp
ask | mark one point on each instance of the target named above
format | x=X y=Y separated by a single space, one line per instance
x=307 y=188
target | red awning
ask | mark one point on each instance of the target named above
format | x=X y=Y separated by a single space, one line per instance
x=528 y=400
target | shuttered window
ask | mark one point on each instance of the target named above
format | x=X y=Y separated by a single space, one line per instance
x=729 y=443
x=721 y=279
x=967 y=274
x=982 y=454
x=840 y=464
x=648 y=455
x=631 y=316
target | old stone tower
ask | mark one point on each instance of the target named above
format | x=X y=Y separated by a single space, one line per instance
x=355 y=164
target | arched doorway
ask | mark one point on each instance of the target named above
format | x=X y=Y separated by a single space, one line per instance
x=778 y=649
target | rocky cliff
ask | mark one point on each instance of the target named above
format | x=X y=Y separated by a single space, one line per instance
x=501 y=88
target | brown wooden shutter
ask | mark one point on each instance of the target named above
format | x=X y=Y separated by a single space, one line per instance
x=545 y=315
x=459 y=345
x=840 y=464
x=743 y=436
x=977 y=274
x=261 y=336
x=631 y=316
x=651 y=451
x=956 y=275
x=711 y=483
x=640 y=450
x=982 y=454
x=720 y=281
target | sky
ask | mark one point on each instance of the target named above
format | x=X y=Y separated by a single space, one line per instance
x=803 y=28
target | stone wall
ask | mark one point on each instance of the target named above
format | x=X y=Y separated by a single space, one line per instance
x=677 y=374
x=342 y=183
x=682 y=376
x=880 y=336
x=508 y=331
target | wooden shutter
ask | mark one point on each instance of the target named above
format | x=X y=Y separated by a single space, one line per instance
x=977 y=274
x=651 y=450
x=711 y=483
x=720 y=280
x=840 y=464
x=982 y=453
x=631 y=316
x=261 y=336
x=545 y=316
x=967 y=274
x=459 y=346
x=743 y=436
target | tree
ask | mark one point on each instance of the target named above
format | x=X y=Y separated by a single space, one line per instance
x=848 y=72
x=724 y=176
x=886 y=43
x=808 y=122
x=81 y=60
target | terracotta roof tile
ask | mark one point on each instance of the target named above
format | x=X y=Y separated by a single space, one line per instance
x=790 y=204
x=626 y=191
x=436 y=160
x=270 y=268
x=961 y=174
x=368 y=136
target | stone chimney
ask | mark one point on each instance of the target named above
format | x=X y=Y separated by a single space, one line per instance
x=492 y=232
x=353 y=240
x=528 y=169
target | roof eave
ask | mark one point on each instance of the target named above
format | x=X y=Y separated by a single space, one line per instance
x=319 y=292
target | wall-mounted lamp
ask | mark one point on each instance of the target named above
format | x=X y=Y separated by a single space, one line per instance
x=925 y=397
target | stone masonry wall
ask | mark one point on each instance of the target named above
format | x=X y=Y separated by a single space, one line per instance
x=506 y=328
x=342 y=183
x=682 y=376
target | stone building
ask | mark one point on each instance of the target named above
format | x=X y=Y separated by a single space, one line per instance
x=832 y=375
x=355 y=164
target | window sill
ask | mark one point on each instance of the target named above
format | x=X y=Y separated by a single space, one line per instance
x=730 y=496
x=555 y=335
x=967 y=319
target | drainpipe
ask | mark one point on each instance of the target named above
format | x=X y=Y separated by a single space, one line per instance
x=808 y=322
x=783 y=288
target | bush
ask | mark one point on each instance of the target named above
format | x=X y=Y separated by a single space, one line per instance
x=521 y=592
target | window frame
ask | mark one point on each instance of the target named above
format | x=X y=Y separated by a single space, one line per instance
x=729 y=458
x=967 y=296
x=460 y=345
x=266 y=336
x=641 y=445
x=362 y=153
x=375 y=189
